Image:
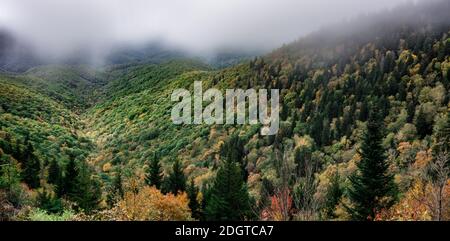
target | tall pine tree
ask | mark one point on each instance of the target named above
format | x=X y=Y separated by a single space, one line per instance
x=228 y=198
x=31 y=166
x=49 y=202
x=154 y=174
x=194 y=205
x=176 y=182
x=423 y=127
x=234 y=148
x=86 y=191
x=54 y=173
x=372 y=187
x=69 y=184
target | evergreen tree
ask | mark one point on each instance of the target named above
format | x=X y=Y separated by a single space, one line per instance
x=229 y=199
x=176 y=182
x=233 y=148
x=192 y=192
x=55 y=178
x=93 y=197
x=284 y=113
x=69 y=184
x=86 y=191
x=154 y=174
x=48 y=202
x=364 y=111
x=6 y=144
x=17 y=152
x=206 y=195
x=294 y=122
x=54 y=173
x=411 y=110
x=31 y=167
x=423 y=127
x=316 y=129
x=372 y=187
x=325 y=133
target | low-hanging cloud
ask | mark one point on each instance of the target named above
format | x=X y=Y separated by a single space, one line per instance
x=62 y=27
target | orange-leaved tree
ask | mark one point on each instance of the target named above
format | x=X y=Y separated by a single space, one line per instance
x=150 y=204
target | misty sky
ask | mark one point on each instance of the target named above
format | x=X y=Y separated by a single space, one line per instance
x=60 y=27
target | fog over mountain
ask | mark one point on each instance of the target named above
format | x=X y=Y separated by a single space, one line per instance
x=58 y=29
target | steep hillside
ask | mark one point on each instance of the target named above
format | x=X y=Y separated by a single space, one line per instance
x=131 y=123
x=136 y=78
x=20 y=101
x=41 y=137
x=26 y=112
x=74 y=86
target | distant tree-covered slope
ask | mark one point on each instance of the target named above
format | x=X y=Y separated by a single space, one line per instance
x=19 y=100
x=141 y=98
x=158 y=53
x=127 y=80
x=74 y=86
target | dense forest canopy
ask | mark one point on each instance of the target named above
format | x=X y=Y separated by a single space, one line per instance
x=364 y=132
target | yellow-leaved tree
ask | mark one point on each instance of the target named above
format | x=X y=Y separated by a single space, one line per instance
x=150 y=204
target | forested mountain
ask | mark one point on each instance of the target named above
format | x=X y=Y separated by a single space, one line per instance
x=157 y=53
x=364 y=133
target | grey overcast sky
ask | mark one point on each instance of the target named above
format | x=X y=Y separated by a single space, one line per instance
x=61 y=27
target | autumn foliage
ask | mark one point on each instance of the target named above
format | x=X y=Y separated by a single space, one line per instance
x=280 y=207
x=150 y=204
